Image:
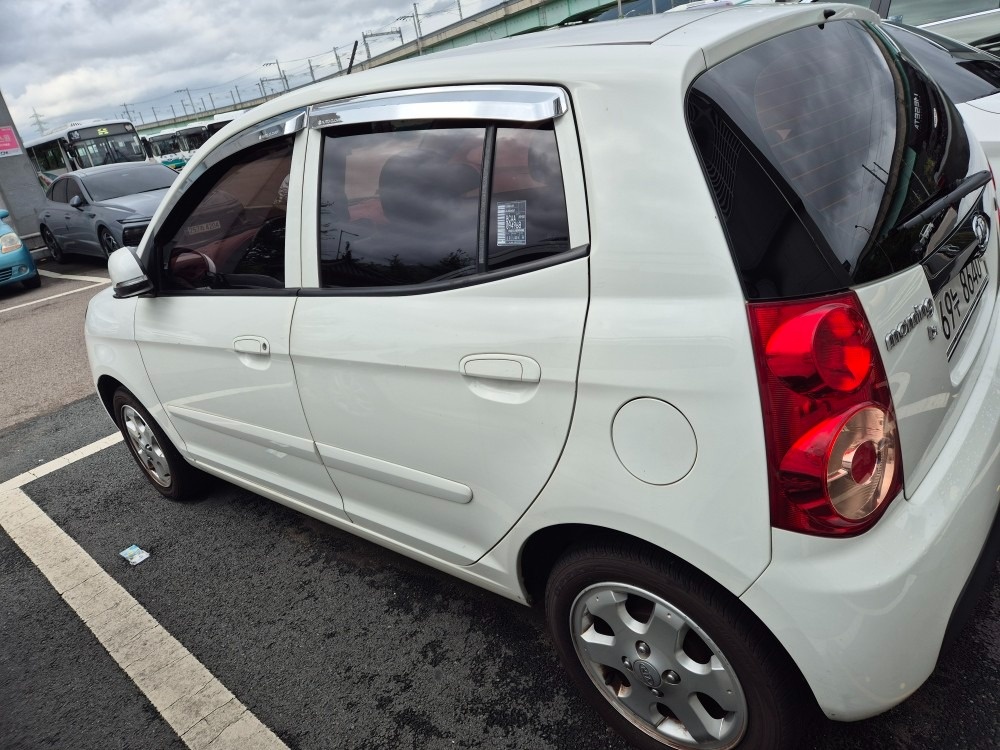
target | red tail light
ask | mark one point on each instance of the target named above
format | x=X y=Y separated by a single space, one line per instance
x=830 y=429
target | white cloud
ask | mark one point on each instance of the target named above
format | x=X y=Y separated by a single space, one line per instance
x=87 y=58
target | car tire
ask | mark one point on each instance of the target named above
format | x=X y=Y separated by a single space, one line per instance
x=163 y=465
x=34 y=282
x=107 y=241
x=690 y=667
x=53 y=245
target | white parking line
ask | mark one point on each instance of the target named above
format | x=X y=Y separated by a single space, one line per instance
x=54 y=296
x=71 y=277
x=196 y=705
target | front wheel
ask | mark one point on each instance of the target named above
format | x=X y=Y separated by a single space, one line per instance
x=668 y=658
x=108 y=242
x=164 y=467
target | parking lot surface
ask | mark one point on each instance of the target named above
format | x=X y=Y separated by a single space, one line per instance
x=330 y=641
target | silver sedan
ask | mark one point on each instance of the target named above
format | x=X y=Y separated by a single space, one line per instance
x=87 y=211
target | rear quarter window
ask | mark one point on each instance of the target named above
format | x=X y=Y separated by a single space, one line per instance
x=817 y=145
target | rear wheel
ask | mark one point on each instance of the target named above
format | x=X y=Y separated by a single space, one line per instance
x=164 y=467
x=53 y=245
x=34 y=282
x=668 y=658
x=108 y=242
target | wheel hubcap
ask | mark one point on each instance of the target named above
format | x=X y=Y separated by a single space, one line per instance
x=145 y=447
x=110 y=245
x=657 y=667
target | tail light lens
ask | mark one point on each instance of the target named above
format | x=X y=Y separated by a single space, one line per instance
x=833 y=452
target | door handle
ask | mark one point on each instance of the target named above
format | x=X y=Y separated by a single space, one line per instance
x=501 y=367
x=251 y=345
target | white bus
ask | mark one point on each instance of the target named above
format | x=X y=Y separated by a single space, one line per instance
x=88 y=143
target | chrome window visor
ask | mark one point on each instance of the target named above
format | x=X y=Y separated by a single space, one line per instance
x=284 y=124
x=516 y=103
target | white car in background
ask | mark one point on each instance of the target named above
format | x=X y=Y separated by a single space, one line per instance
x=683 y=327
x=969 y=76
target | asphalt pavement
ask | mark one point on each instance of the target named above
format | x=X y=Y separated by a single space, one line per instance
x=329 y=640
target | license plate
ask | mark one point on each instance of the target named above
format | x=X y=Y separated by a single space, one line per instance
x=957 y=302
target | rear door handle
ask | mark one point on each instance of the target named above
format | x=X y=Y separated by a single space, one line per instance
x=501 y=367
x=251 y=345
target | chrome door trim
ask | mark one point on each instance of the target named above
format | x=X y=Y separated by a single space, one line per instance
x=499 y=102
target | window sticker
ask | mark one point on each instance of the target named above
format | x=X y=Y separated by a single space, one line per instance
x=512 y=219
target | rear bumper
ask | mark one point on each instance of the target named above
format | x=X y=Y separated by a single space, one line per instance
x=865 y=618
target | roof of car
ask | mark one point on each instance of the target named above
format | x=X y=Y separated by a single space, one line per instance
x=708 y=33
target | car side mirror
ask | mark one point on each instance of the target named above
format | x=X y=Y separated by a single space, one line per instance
x=128 y=278
x=76 y=201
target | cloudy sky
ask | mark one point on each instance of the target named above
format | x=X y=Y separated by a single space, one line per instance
x=74 y=59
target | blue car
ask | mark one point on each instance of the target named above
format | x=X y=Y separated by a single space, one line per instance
x=16 y=264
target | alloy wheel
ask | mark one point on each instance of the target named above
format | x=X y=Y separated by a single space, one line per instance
x=657 y=667
x=146 y=448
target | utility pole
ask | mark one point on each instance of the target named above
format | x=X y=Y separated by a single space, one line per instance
x=155 y=116
x=459 y=2
x=340 y=65
x=173 y=112
x=39 y=121
x=211 y=99
x=203 y=104
x=311 y=74
x=416 y=25
x=190 y=98
x=128 y=115
x=260 y=85
x=366 y=35
x=281 y=75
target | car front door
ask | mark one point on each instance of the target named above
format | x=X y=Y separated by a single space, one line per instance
x=437 y=336
x=215 y=338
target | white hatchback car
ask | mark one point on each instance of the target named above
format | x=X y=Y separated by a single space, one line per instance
x=685 y=326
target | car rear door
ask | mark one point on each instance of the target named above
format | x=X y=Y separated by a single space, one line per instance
x=856 y=171
x=437 y=337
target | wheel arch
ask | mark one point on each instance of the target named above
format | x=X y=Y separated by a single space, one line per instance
x=543 y=549
x=106 y=387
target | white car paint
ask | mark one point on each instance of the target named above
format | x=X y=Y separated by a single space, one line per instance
x=360 y=414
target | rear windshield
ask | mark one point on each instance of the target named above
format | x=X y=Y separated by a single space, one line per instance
x=963 y=72
x=141 y=179
x=818 y=145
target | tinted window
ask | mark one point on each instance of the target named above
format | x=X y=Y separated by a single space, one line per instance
x=140 y=179
x=399 y=206
x=815 y=158
x=961 y=71
x=228 y=231
x=527 y=203
x=73 y=190
x=58 y=191
x=917 y=12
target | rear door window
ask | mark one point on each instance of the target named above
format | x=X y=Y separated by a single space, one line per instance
x=402 y=204
x=818 y=145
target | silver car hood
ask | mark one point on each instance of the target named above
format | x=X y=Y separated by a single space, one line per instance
x=143 y=204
